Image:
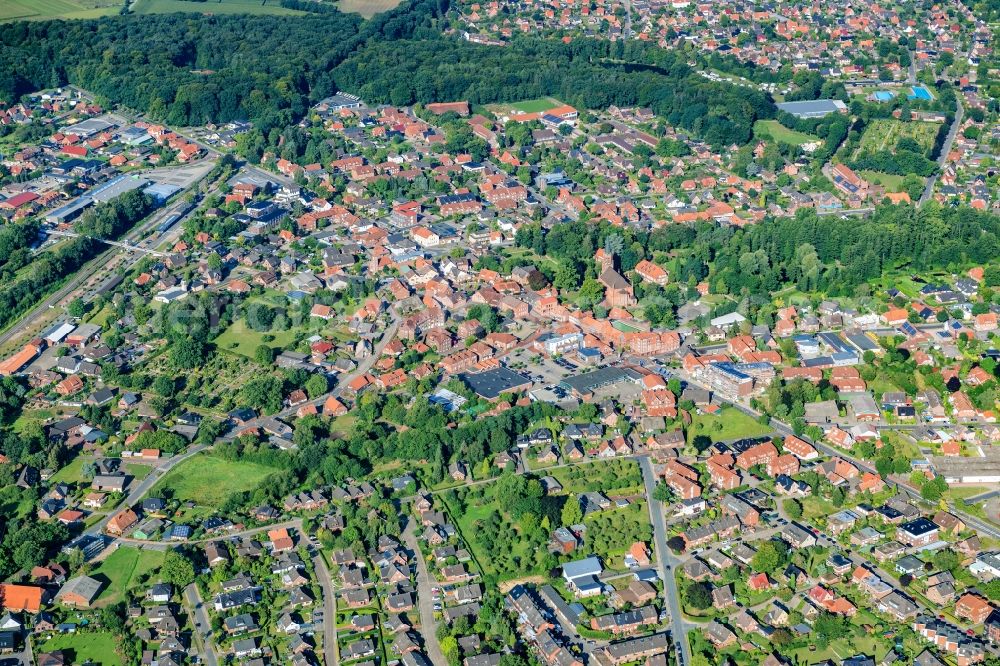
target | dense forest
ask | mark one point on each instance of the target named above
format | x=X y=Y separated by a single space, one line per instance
x=270 y=69
x=585 y=73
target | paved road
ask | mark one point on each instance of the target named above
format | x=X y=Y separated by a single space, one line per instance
x=294 y=523
x=144 y=486
x=202 y=625
x=424 y=601
x=664 y=558
x=784 y=429
x=945 y=149
x=364 y=366
x=851 y=212
x=330 y=647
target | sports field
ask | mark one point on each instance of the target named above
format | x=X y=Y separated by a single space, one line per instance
x=32 y=10
x=208 y=480
x=535 y=105
x=213 y=7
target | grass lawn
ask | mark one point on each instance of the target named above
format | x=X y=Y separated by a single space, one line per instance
x=842 y=649
x=344 y=424
x=726 y=425
x=32 y=416
x=140 y=472
x=14 y=10
x=121 y=569
x=891 y=182
x=71 y=473
x=535 y=105
x=213 y=7
x=964 y=492
x=816 y=507
x=243 y=341
x=782 y=134
x=367 y=8
x=98 y=648
x=101 y=316
x=882 y=384
x=209 y=480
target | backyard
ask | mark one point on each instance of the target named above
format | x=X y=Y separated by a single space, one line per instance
x=97 y=648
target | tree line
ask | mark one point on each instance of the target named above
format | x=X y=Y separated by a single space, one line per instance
x=816 y=254
x=582 y=73
x=270 y=69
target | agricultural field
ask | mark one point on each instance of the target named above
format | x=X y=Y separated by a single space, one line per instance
x=261 y=7
x=884 y=134
x=728 y=424
x=366 y=8
x=122 y=570
x=37 y=10
x=96 y=648
x=208 y=480
x=782 y=134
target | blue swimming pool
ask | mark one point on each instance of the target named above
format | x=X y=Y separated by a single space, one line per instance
x=883 y=95
x=919 y=92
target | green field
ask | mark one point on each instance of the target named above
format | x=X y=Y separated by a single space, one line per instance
x=367 y=8
x=208 y=480
x=71 y=473
x=891 y=182
x=98 y=648
x=726 y=425
x=121 y=570
x=138 y=471
x=213 y=7
x=782 y=134
x=246 y=340
x=14 y=10
x=535 y=105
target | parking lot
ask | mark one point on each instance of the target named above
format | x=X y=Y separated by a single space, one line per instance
x=541 y=370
